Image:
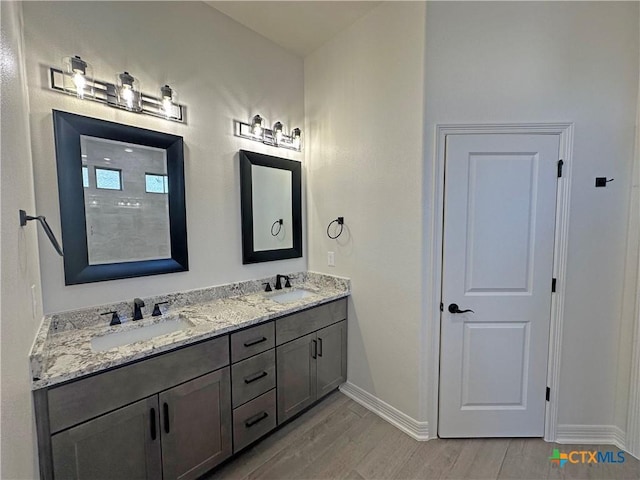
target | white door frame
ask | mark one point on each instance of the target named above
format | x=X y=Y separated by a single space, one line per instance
x=434 y=264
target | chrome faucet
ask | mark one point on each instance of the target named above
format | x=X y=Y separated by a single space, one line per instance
x=279 y=282
x=137 y=308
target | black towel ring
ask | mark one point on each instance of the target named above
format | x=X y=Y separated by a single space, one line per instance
x=340 y=221
x=277 y=222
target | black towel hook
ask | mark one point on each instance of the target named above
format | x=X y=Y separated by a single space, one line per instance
x=340 y=221
x=277 y=222
x=24 y=218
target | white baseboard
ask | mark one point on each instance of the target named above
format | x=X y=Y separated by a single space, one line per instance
x=413 y=428
x=591 y=434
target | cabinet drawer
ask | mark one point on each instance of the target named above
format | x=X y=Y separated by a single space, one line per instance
x=253 y=377
x=252 y=341
x=307 y=321
x=90 y=397
x=253 y=420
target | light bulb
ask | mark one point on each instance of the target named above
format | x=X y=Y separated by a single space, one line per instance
x=167 y=107
x=167 y=94
x=277 y=130
x=295 y=138
x=80 y=82
x=78 y=71
x=127 y=94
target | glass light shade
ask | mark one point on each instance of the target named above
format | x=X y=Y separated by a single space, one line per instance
x=278 y=132
x=257 y=126
x=79 y=78
x=169 y=100
x=129 y=92
x=296 y=138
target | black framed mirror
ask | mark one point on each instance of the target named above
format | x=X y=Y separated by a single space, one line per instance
x=122 y=200
x=271 y=204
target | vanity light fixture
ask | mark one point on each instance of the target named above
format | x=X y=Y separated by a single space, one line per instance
x=255 y=130
x=76 y=78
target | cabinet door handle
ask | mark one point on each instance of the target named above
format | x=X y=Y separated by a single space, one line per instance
x=319 y=347
x=251 y=343
x=314 y=354
x=153 y=424
x=165 y=407
x=255 y=419
x=254 y=377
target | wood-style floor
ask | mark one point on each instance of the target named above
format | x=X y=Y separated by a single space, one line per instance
x=340 y=439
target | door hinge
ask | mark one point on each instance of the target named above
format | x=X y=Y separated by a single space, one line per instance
x=548 y=393
x=560 y=164
x=441 y=307
x=553 y=285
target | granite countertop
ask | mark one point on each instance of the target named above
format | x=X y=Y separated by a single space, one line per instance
x=62 y=353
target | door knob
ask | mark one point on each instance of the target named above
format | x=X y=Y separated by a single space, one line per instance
x=453 y=308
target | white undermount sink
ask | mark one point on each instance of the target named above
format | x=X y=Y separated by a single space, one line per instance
x=291 y=296
x=125 y=337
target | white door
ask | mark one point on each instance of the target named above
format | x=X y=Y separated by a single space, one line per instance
x=499 y=221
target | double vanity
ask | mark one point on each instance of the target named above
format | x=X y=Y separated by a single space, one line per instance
x=170 y=386
x=174 y=395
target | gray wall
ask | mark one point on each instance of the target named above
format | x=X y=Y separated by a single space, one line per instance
x=221 y=71
x=21 y=300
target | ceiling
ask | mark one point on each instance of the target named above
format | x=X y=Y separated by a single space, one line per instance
x=298 y=26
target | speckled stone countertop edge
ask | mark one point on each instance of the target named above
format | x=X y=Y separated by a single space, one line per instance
x=68 y=361
x=36 y=358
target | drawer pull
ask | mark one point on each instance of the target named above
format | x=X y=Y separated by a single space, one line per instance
x=319 y=347
x=251 y=343
x=166 y=417
x=255 y=419
x=314 y=354
x=254 y=377
x=153 y=424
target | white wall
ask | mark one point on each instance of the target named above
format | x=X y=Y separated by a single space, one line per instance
x=19 y=257
x=557 y=61
x=221 y=71
x=363 y=105
x=485 y=63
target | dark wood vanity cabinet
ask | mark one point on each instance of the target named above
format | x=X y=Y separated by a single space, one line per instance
x=114 y=445
x=253 y=377
x=147 y=420
x=179 y=414
x=195 y=420
x=312 y=365
x=180 y=433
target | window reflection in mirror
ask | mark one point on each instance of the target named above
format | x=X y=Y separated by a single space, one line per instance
x=125 y=219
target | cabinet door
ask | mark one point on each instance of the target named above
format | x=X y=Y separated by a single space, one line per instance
x=196 y=425
x=122 y=444
x=296 y=369
x=332 y=357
